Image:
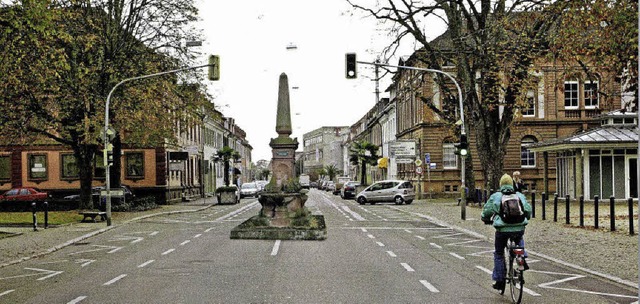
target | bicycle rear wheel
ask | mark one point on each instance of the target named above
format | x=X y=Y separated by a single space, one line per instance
x=514 y=278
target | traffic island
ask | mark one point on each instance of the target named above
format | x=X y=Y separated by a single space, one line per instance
x=282 y=217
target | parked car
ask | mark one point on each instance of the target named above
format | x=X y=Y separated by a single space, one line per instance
x=24 y=194
x=95 y=196
x=249 y=189
x=261 y=184
x=349 y=189
x=330 y=186
x=397 y=191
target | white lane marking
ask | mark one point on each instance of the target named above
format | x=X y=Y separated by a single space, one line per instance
x=84 y=262
x=380 y=244
x=465 y=242
x=435 y=245
x=420 y=237
x=77 y=300
x=527 y=290
x=197 y=235
x=7 y=292
x=371 y=236
x=185 y=242
x=116 y=279
x=169 y=251
x=447 y=235
x=391 y=254
x=209 y=229
x=353 y=213
x=51 y=273
x=456 y=255
x=408 y=231
x=407 y=267
x=276 y=247
x=429 y=286
x=363 y=230
x=153 y=233
x=146 y=263
x=100 y=247
x=575 y=277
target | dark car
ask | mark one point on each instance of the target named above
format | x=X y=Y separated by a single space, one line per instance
x=25 y=194
x=349 y=189
x=95 y=195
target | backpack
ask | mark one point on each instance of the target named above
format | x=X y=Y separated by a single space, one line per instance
x=511 y=209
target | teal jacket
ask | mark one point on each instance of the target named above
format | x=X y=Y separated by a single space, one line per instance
x=492 y=208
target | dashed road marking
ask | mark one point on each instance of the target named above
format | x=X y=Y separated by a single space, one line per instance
x=371 y=236
x=169 y=251
x=380 y=244
x=276 y=247
x=527 y=290
x=407 y=267
x=146 y=263
x=7 y=292
x=77 y=300
x=420 y=237
x=435 y=245
x=391 y=254
x=116 y=279
x=197 y=235
x=429 y=286
x=185 y=242
x=456 y=255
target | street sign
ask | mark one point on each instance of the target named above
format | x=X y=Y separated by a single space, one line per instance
x=418 y=162
x=427 y=158
x=432 y=165
x=418 y=170
x=404 y=160
x=402 y=149
x=113 y=193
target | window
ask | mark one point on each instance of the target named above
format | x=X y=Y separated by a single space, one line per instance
x=449 y=158
x=134 y=165
x=591 y=94
x=68 y=167
x=530 y=109
x=5 y=168
x=571 y=94
x=527 y=158
x=38 y=167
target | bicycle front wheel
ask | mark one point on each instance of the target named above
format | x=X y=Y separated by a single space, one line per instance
x=515 y=282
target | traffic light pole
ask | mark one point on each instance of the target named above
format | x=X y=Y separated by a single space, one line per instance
x=463 y=203
x=105 y=136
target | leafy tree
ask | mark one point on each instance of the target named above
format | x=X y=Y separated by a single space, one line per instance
x=61 y=58
x=332 y=171
x=264 y=174
x=363 y=153
x=227 y=154
x=492 y=45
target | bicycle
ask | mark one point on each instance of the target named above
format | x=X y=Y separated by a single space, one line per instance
x=515 y=271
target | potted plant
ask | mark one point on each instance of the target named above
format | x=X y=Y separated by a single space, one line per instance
x=229 y=194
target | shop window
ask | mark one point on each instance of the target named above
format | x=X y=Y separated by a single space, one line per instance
x=134 y=165
x=68 y=167
x=38 y=167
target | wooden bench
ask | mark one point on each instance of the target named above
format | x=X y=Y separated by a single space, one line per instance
x=93 y=215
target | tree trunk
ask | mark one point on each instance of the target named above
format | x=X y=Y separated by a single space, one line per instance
x=84 y=155
x=226 y=173
x=363 y=173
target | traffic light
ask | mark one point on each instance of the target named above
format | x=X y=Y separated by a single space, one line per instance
x=464 y=145
x=214 y=67
x=108 y=155
x=351 y=66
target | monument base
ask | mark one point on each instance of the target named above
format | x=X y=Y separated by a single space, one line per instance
x=258 y=227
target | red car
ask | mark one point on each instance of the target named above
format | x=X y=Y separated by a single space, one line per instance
x=23 y=195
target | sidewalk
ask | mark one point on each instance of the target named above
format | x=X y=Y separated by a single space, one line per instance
x=26 y=243
x=613 y=255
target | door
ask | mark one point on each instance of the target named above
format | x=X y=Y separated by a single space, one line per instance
x=632 y=177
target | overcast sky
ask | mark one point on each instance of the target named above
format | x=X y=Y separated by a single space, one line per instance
x=251 y=38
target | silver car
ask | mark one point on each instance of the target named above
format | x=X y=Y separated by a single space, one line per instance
x=397 y=191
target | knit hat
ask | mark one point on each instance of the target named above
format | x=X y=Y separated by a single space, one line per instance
x=506 y=180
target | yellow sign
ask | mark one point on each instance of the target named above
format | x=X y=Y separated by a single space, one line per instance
x=418 y=162
x=383 y=163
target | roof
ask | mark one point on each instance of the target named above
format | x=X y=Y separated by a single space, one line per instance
x=605 y=137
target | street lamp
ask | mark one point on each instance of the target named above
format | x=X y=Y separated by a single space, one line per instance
x=462 y=127
x=108 y=133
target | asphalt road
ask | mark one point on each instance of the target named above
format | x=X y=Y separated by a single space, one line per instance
x=373 y=254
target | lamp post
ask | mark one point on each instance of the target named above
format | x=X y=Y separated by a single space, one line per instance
x=463 y=133
x=107 y=131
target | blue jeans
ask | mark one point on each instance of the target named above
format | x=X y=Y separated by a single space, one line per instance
x=502 y=238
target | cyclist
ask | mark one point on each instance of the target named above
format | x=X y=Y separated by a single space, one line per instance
x=504 y=231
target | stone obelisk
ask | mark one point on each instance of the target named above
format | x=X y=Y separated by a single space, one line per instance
x=283 y=147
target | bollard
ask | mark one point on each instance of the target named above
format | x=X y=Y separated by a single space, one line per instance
x=35 y=219
x=566 y=209
x=596 y=200
x=459 y=201
x=581 y=211
x=533 y=204
x=612 y=212
x=630 y=200
x=46 y=215
x=555 y=207
x=544 y=206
